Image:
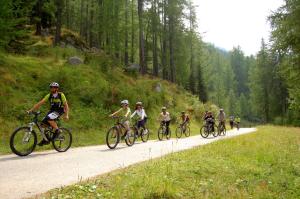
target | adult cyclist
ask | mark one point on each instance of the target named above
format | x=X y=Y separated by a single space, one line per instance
x=58 y=107
x=165 y=118
x=222 y=117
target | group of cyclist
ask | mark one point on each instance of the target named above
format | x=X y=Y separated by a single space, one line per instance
x=59 y=106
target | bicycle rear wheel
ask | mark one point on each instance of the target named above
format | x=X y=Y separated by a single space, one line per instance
x=63 y=141
x=130 y=138
x=204 y=132
x=23 y=141
x=112 y=137
x=178 y=132
x=145 y=133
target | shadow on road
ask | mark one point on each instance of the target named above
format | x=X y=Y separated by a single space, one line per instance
x=34 y=155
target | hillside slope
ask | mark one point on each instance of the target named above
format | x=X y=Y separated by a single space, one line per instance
x=93 y=90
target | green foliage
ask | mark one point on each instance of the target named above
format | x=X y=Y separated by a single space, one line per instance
x=264 y=164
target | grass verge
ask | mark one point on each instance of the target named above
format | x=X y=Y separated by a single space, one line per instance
x=264 y=164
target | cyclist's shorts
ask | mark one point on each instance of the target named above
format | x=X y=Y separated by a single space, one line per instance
x=51 y=116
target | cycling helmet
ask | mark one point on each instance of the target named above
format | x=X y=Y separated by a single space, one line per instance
x=182 y=112
x=163 y=108
x=124 y=102
x=221 y=110
x=139 y=103
x=54 y=84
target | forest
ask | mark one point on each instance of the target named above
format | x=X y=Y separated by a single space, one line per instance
x=161 y=38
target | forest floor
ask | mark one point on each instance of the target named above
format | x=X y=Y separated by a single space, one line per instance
x=42 y=171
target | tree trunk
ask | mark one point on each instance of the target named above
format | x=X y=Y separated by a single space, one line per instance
x=154 y=38
x=126 y=57
x=81 y=18
x=132 y=32
x=171 y=48
x=58 y=14
x=38 y=24
x=164 y=42
x=143 y=68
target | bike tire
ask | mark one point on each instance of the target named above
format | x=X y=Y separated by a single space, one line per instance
x=12 y=142
x=215 y=133
x=64 y=134
x=130 y=138
x=160 y=133
x=187 y=132
x=145 y=137
x=168 y=136
x=178 y=132
x=203 y=132
x=117 y=138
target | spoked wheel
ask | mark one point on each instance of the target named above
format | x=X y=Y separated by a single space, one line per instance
x=187 y=131
x=145 y=133
x=112 y=138
x=215 y=133
x=161 y=133
x=178 y=132
x=63 y=141
x=204 y=132
x=23 y=141
x=130 y=138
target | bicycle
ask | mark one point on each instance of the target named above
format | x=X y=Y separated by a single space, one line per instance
x=142 y=132
x=113 y=135
x=208 y=129
x=221 y=129
x=162 y=131
x=24 y=139
x=183 y=128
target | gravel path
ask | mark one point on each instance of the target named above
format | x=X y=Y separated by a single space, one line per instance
x=39 y=172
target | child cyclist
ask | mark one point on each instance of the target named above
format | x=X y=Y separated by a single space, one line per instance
x=124 y=113
x=185 y=119
x=142 y=117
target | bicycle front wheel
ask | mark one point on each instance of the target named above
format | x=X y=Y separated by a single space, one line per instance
x=178 y=132
x=130 y=138
x=23 y=141
x=168 y=134
x=112 y=137
x=204 y=132
x=161 y=133
x=187 y=131
x=63 y=141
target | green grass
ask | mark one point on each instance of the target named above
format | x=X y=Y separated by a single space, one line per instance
x=264 y=164
x=93 y=90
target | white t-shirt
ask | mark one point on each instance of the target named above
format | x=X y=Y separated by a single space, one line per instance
x=141 y=113
x=165 y=117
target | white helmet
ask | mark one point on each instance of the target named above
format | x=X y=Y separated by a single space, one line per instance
x=124 y=102
x=54 y=84
x=164 y=108
x=139 y=103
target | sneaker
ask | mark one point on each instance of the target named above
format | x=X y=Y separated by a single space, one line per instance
x=43 y=142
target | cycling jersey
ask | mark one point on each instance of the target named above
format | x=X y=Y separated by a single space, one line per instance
x=221 y=117
x=165 y=117
x=141 y=113
x=56 y=100
x=185 y=118
x=124 y=112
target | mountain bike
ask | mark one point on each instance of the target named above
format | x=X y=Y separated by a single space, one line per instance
x=183 y=129
x=24 y=139
x=208 y=129
x=221 y=129
x=162 y=131
x=118 y=132
x=142 y=132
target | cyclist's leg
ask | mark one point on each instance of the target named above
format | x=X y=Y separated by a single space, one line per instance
x=167 y=125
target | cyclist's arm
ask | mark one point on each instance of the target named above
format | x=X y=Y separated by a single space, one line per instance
x=66 y=110
x=127 y=113
x=133 y=114
x=115 y=113
x=37 y=105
